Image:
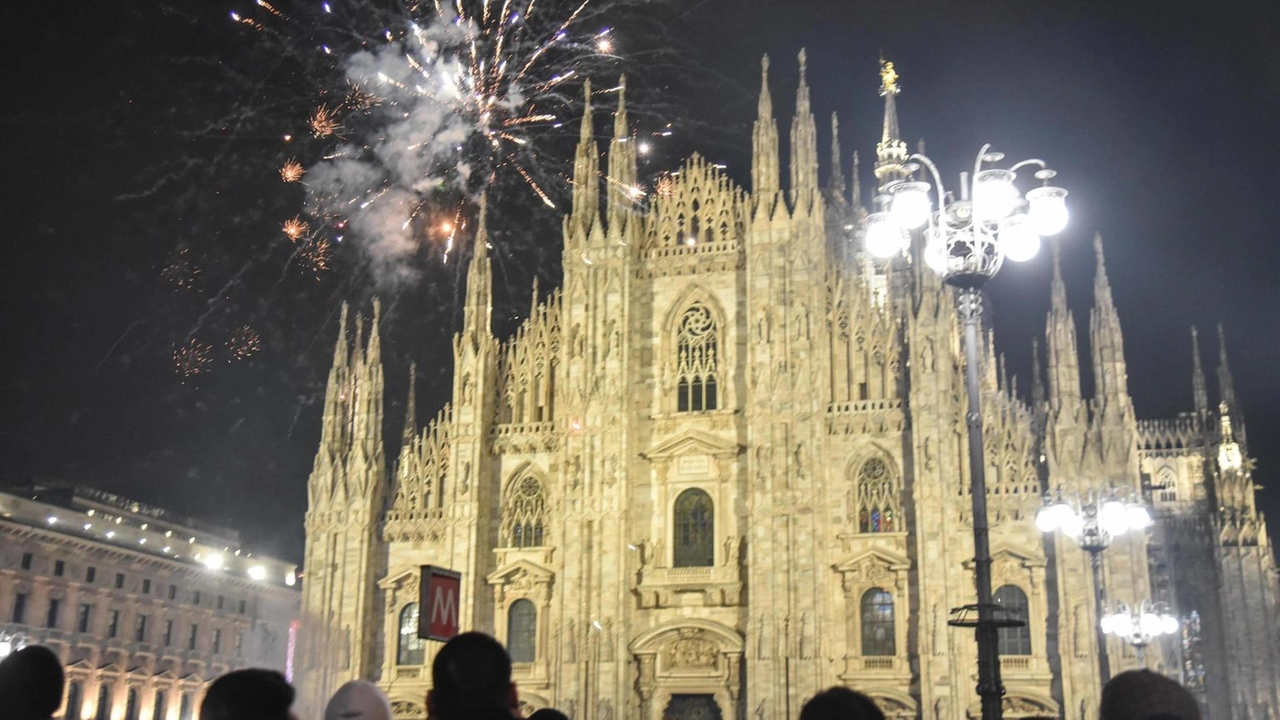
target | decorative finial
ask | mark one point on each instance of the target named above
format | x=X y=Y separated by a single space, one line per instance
x=888 y=78
x=764 y=64
x=1097 y=250
x=802 y=64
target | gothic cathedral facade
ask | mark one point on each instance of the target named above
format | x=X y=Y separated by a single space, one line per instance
x=724 y=466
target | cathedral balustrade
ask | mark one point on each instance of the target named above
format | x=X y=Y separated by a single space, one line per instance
x=717 y=586
x=1169 y=433
x=525 y=437
x=858 y=417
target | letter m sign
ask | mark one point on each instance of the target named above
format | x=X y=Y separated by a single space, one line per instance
x=438 y=603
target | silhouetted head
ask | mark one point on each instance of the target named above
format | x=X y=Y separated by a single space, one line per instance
x=840 y=703
x=1144 y=695
x=253 y=694
x=358 y=700
x=31 y=684
x=471 y=675
x=548 y=714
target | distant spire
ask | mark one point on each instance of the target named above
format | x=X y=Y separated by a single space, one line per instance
x=804 y=147
x=411 y=406
x=1105 y=338
x=764 y=147
x=891 y=152
x=586 y=170
x=373 y=354
x=1061 y=347
x=836 y=183
x=857 y=183
x=1226 y=386
x=478 y=311
x=622 y=162
x=1198 y=390
x=1037 y=384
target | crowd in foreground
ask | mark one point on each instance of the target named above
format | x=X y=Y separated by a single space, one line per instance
x=471 y=679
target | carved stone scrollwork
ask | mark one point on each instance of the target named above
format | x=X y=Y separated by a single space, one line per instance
x=691 y=650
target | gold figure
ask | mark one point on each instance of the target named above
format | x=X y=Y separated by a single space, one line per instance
x=888 y=78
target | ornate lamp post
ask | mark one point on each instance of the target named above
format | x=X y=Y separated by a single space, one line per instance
x=10 y=642
x=1140 y=625
x=1093 y=523
x=966 y=241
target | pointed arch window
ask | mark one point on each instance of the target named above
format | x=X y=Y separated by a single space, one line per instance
x=1013 y=640
x=694 y=544
x=522 y=631
x=74 y=694
x=131 y=704
x=877 y=623
x=1167 y=482
x=697 y=355
x=412 y=649
x=524 y=518
x=878 y=505
x=157 y=710
x=104 y=702
x=184 y=706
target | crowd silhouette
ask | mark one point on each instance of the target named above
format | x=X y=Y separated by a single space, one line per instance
x=471 y=680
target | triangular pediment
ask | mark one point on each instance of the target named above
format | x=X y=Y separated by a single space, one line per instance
x=1002 y=552
x=521 y=567
x=875 y=556
x=392 y=581
x=693 y=442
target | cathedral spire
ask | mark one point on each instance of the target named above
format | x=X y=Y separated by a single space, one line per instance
x=764 y=147
x=411 y=407
x=891 y=152
x=586 y=171
x=622 y=161
x=477 y=314
x=1061 y=346
x=1226 y=386
x=1198 y=389
x=836 y=183
x=1105 y=338
x=804 y=148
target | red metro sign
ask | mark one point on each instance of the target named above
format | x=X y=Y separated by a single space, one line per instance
x=438 y=602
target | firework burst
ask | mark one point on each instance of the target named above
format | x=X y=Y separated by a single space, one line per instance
x=192 y=358
x=294 y=228
x=244 y=343
x=292 y=171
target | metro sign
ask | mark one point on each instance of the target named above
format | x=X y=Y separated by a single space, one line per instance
x=438 y=603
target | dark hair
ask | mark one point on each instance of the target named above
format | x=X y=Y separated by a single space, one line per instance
x=471 y=672
x=1143 y=695
x=253 y=694
x=31 y=684
x=840 y=703
x=547 y=714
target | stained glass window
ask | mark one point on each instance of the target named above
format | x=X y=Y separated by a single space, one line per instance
x=522 y=632
x=877 y=623
x=694 y=530
x=697 y=346
x=412 y=647
x=524 y=517
x=877 y=497
x=1013 y=640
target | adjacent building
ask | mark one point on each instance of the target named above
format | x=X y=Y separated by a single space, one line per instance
x=144 y=607
x=725 y=466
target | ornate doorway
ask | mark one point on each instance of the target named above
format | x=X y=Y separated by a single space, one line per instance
x=692 y=707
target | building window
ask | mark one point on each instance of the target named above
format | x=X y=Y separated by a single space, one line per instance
x=694 y=544
x=242 y=605
x=168 y=633
x=191 y=640
x=104 y=702
x=51 y=620
x=131 y=705
x=523 y=521
x=1014 y=640
x=20 y=608
x=219 y=602
x=113 y=627
x=26 y=561
x=1167 y=483
x=157 y=710
x=59 y=568
x=140 y=634
x=696 y=360
x=412 y=649
x=90 y=574
x=75 y=693
x=184 y=707
x=146 y=587
x=173 y=592
x=877 y=623
x=82 y=619
x=195 y=598
x=877 y=493
x=522 y=631
x=119 y=581
x=217 y=641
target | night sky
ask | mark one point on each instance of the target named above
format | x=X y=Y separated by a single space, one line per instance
x=142 y=207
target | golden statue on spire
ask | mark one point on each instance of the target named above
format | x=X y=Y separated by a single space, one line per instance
x=888 y=78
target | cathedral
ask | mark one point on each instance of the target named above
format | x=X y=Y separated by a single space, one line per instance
x=724 y=466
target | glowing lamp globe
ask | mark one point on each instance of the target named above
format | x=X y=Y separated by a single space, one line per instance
x=994 y=195
x=884 y=237
x=1168 y=624
x=909 y=204
x=1137 y=517
x=1048 y=210
x=1018 y=239
x=935 y=251
x=1112 y=517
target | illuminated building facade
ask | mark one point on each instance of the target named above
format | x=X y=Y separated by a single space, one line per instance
x=724 y=466
x=144 y=607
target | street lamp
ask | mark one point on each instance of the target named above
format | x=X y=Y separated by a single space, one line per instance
x=1139 y=626
x=11 y=642
x=966 y=240
x=1093 y=522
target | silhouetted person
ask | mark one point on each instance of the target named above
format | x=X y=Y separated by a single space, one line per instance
x=358 y=700
x=252 y=694
x=840 y=703
x=548 y=714
x=31 y=683
x=471 y=680
x=1144 y=695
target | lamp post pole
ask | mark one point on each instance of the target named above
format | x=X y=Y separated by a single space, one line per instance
x=966 y=240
